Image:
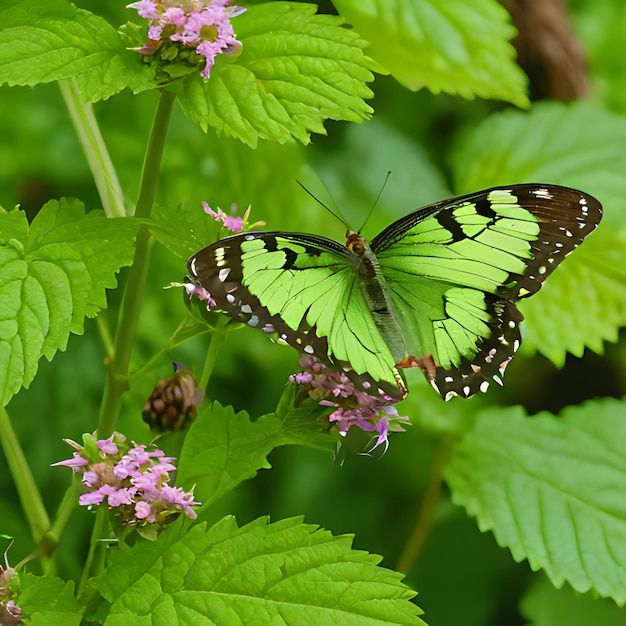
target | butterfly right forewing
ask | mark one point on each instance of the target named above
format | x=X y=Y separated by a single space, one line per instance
x=485 y=251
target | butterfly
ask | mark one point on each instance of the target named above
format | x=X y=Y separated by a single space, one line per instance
x=437 y=289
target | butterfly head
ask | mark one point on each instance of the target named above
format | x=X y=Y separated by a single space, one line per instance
x=355 y=243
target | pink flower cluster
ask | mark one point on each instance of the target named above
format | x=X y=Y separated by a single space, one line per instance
x=352 y=407
x=10 y=613
x=200 y=24
x=130 y=479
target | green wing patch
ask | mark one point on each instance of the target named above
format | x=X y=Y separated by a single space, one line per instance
x=309 y=285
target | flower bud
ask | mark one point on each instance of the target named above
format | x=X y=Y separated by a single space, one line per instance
x=173 y=403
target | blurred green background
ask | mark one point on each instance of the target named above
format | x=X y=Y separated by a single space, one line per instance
x=462 y=575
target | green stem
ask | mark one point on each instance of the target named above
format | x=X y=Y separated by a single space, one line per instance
x=95 y=150
x=96 y=556
x=430 y=500
x=117 y=375
x=29 y=495
x=62 y=516
x=218 y=336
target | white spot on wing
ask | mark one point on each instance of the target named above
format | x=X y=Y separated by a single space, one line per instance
x=543 y=193
x=223 y=274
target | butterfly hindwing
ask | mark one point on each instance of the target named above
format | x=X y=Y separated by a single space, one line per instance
x=455 y=270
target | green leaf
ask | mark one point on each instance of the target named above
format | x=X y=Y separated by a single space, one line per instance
x=552 y=490
x=281 y=573
x=578 y=145
x=303 y=420
x=53 y=273
x=296 y=70
x=583 y=304
x=543 y=605
x=453 y=46
x=48 y=601
x=183 y=231
x=379 y=147
x=224 y=448
x=64 y=42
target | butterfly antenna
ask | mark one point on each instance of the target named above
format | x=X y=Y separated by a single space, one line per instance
x=380 y=193
x=335 y=214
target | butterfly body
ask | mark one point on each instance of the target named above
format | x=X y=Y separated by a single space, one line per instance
x=436 y=289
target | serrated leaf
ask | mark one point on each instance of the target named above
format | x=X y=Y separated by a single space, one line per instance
x=183 y=230
x=581 y=146
x=281 y=573
x=584 y=302
x=552 y=490
x=224 y=448
x=303 y=420
x=52 y=275
x=578 y=145
x=296 y=70
x=457 y=47
x=48 y=601
x=65 y=42
x=543 y=605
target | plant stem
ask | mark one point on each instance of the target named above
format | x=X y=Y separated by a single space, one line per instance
x=430 y=500
x=117 y=375
x=62 y=516
x=95 y=150
x=218 y=336
x=27 y=490
x=97 y=549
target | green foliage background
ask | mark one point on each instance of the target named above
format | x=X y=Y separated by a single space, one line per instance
x=435 y=145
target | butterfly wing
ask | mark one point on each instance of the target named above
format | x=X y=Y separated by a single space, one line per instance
x=455 y=269
x=305 y=289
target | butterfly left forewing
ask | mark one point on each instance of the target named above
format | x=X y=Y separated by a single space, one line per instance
x=456 y=268
x=304 y=289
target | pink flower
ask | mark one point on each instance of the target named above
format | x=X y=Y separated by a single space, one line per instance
x=132 y=481
x=144 y=511
x=75 y=462
x=203 y=24
x=197 y=290
x=373 y=414
x=107 y=446
x=146 y=9
x=234 y=224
